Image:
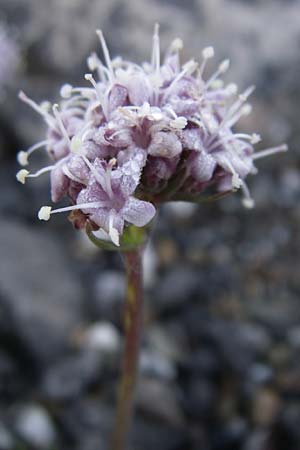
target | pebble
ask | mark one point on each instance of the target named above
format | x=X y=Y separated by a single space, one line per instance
x=34 y=425
x=102 y=336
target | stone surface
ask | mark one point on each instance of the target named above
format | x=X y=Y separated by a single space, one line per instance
x=40 y=297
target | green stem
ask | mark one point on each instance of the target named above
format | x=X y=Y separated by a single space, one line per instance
x=133 y=327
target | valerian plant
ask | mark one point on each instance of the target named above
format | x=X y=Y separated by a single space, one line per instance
x=133 y=137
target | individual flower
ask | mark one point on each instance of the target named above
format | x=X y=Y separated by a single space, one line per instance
x=139 y=135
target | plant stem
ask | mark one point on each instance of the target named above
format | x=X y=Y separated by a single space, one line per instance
x=133 y=327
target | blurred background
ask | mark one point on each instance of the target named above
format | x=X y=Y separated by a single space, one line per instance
x=220 y=367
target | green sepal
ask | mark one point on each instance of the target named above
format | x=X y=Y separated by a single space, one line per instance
x=132 y=238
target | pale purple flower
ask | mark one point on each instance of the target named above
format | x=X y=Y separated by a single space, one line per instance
x=147 y=132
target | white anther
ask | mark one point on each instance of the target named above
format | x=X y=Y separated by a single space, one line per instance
x=217 y=84
x=177 y=45
x=66 y=90
x=224 y=66
x=45 y=106
x=22 y=158
x=248 y=202
x=92 y=62
x=208 y=52
x=76 y=144
x=45 y=213
x=246 y=110
x=179 y=123
x=236 y=181
x=231 y=89
x=189 y=67
x=22 y=175
x=255 y=138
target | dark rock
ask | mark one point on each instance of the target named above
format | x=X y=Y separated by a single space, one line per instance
x=176 y=288
x=153 y=364
x=159 y=400
x=6 y=439
x=87 y=423
x=200 y=399
x=109 y=294
x=148 y=436
x=72 y=376
x=40 y=296
x=35 y=427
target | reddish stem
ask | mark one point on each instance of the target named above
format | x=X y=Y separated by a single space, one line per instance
x=133 y=326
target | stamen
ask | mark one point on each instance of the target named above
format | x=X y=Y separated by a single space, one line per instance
x=155 y=60
x=22 y=156
x=22 y=175
x=93 y=62
x=45 y=211
x=39 y=109
x=223 y=67
x=40 y=172
x=207 y=53
x=247 y=201
x=60 y=123
x=231 y=89
x=270 y=151
x=187 y=69
x=105 y=53
x=244 y=111
x=89 y=77
x=253 y=138
x=66 y=90
x=175 y=47
x=217 y=84
x=179 y=123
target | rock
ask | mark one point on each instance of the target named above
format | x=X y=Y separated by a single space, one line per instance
x=200 y=399
x=260 y=374
x=102 y=336
x=199 y=363
x=153 y=364
x=150 y=266
x=169 y=340
x=265 y=407
x=72 y=376
x=40 y=295
x=6 y=439
x=157 y=435
x=109 y=295
x=159 y=400
x=231 y=436
x=35 y=427
x=87 y=422
x=176 y=288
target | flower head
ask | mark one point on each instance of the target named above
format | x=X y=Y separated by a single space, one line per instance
x=135 y=136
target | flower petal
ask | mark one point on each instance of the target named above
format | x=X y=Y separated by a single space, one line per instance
x=138 y=212
x=59 y=183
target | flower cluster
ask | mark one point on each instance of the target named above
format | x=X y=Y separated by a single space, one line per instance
x=140 y=135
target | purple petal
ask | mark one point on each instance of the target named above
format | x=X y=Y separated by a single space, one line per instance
x=165 y=145
x=138 y=212
x=117 y=97
x=59 y=184
x=138 y=90
x=202 y=166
